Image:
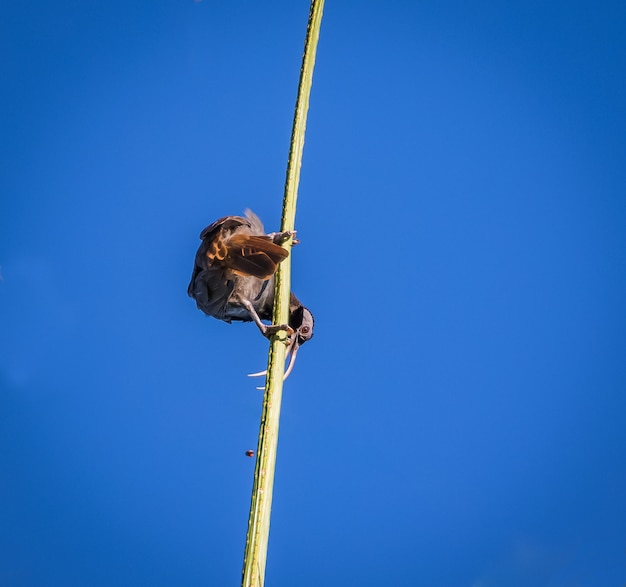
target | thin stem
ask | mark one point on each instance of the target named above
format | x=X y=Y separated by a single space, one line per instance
x=260 y=508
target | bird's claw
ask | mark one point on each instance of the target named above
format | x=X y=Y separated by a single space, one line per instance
x=280 y=237
x=274 y=328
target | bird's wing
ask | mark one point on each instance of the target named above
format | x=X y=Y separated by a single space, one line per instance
x=246 y=254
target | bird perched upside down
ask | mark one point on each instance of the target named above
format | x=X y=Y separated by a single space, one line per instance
x=233 y=278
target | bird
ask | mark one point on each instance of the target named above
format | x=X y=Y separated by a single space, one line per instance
x=233 y=278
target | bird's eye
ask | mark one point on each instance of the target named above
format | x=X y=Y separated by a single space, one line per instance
x=305 y=330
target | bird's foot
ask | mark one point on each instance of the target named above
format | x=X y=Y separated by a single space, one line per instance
x=272 y=329
x=280 y=237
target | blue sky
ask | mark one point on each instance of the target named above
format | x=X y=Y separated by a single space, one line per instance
x=458 y=419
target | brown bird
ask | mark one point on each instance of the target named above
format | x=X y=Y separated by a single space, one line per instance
x=233 y=278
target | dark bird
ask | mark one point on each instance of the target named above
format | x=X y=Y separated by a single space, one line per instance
x=233 y=278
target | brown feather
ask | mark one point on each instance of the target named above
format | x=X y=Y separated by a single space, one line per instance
x=251 y=255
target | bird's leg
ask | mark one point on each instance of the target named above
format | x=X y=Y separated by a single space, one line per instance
x=266 y=330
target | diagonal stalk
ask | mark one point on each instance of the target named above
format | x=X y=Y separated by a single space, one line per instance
x=260 y=508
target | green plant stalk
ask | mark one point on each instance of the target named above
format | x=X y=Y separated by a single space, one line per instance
x=260 y=508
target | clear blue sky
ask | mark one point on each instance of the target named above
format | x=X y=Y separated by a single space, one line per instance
x=459 y=417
